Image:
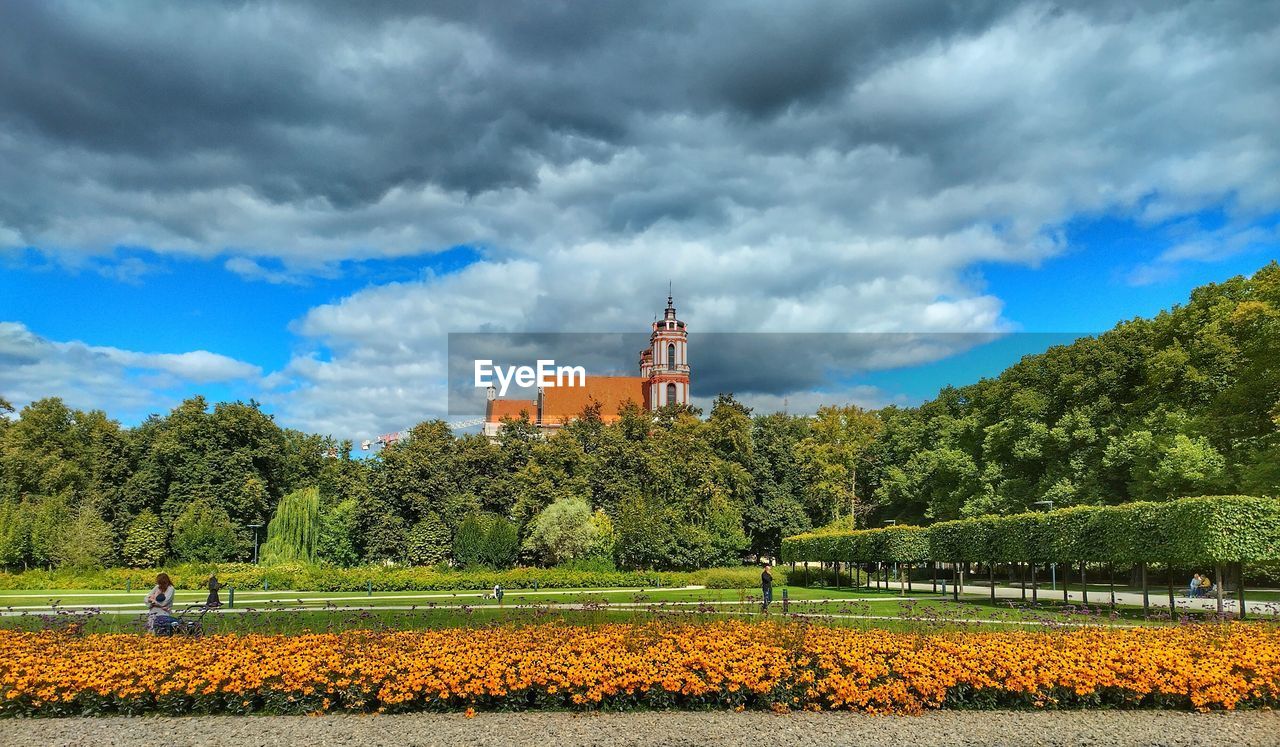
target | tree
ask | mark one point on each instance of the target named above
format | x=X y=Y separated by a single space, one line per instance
x=336 y=543
x=294 y=530
x=830 y=457
x=428 y=541
x=48 y=528
x=145 y=541
x=567 y=530
x=15 y=534
x=89 y=541
x=469 y=541
x=501 y=543
x=203 y=532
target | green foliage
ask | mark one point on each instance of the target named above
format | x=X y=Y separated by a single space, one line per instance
x=336 y=543
x=469 y=542
x=48 y=528
x=203 y=532
x=1221 y=529
x=428 y=541
x=1190 y=531
x=501 y=543
x=831 y=455
x=568 y=531
x=145 y=541
x=896 y=544
x=295 y=529
x=15 y=534
x=89 y=541
x=300 y=577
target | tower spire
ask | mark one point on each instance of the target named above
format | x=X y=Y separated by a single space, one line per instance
x=669 y=294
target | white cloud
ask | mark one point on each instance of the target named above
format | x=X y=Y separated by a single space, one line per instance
x=123 y=382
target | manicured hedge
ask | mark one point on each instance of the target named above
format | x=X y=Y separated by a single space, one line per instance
x=298 y=577
x=896 y=544
x=1189 y=531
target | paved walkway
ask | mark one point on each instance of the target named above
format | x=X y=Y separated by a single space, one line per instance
x=1158 y=597
x=1093 y=728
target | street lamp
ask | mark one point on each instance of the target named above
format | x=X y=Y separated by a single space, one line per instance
x=255 y=528
x=1053 y=567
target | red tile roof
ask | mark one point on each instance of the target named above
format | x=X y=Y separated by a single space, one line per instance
x=497 y=409
x=561 y=404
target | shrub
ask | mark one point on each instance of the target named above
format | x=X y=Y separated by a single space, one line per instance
x=145 y=541
x=203 y=532
x=469 y=542
x=428 y=541
x=338 y=529
x=564 y=531
x=1189 y=531
x=300 y=577
x=501 y=543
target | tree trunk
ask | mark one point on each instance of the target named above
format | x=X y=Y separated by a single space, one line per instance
x=991 y=576
x=1146 y=591
x=1035 y=584
x=1240 y=588
x=1084 y=583
x=1217 y=571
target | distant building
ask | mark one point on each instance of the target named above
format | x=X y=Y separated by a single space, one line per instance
x=663 y=380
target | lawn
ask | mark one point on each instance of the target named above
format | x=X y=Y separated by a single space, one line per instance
x=280 y=611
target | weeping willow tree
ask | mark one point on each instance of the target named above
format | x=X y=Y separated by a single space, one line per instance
x=292 y=533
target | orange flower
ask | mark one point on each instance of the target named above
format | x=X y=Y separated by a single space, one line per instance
x=736 y=664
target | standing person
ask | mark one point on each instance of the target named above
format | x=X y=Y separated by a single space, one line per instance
x=214 y=586
x=766 y=588
x=160 y=603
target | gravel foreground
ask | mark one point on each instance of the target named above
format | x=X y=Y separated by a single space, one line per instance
x=937 y=729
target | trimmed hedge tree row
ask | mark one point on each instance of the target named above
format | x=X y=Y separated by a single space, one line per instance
x=1189 y=531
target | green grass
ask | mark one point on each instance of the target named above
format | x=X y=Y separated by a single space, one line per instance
x=291 y=612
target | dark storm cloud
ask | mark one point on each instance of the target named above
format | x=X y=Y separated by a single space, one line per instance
x=744 y=363
x=301 y=101
x=329 y=107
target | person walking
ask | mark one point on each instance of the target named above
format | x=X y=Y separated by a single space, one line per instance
x=766 y=588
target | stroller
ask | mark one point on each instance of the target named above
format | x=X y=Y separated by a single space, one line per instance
x=188 y=622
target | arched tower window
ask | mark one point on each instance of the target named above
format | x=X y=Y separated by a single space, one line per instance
x=671 y=356
x=671 y=394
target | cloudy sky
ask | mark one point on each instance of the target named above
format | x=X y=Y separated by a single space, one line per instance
x=297 y=202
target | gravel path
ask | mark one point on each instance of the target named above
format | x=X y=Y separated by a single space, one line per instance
x=1067 y=728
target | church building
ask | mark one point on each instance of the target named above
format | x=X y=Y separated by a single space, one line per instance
x=663 y=380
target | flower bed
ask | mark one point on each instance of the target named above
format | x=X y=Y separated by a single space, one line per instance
x=617 y=666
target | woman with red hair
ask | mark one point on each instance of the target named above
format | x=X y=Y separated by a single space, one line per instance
x=160 y=604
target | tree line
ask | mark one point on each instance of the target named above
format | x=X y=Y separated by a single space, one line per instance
x=1186 y=403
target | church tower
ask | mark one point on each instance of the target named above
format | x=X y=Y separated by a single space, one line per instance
x=665 y=364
